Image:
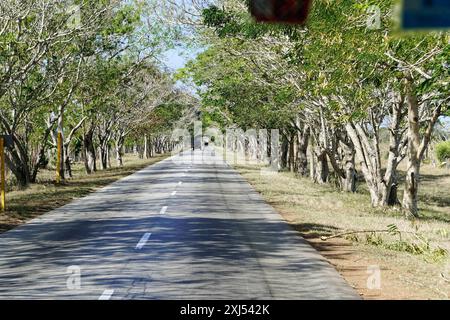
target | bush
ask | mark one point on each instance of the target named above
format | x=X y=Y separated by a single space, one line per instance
x=443 y=151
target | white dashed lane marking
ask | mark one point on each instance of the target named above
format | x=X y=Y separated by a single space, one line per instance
x=143 y=241
x=106 y=295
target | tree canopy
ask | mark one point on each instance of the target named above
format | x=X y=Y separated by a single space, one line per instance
x=330 y=86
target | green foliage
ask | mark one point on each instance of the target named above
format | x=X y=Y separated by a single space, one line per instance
x=229 y=24
x=79 y=74
x=443 y=151
x=419 y=245
x=336 y=55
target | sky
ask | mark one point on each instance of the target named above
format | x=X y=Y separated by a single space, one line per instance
x=176 y=58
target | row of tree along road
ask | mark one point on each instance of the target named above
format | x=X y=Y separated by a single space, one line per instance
x=334 y=86
x=88 y=71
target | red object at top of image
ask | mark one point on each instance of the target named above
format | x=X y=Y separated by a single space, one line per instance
x=281 y=11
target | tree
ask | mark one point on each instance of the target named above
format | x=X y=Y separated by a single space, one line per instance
x=336 y=83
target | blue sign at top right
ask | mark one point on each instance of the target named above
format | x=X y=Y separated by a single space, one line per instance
x=426 y=14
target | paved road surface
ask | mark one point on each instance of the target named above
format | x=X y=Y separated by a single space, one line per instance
x=175 y=230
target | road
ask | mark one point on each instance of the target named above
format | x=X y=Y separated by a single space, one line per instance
x=179 y=229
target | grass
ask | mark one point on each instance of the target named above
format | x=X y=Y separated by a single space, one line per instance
x=415 y=265
x=44 y=196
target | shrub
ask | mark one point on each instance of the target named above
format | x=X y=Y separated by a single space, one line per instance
x=443 y=151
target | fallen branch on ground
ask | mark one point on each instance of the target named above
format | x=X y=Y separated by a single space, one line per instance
x=339 y=235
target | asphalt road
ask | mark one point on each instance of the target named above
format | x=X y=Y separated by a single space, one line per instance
x=180 y=229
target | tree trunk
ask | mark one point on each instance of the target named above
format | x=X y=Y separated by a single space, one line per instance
x=302 y=149
x=18 y=163
x=393 y=194
x=284 y=152
x=292 y=152
x=41 y=155
x=109 y=156
x=313 y=164
x=141 y=152
x=389 y=184
x=413 y=160
x=68 y=166
x=119 y=153
x=89 y=152
x=368 y=160
x=20 y=172
x=348 y=183
x=67 y=160
x=416 y=149
x=151 y=149
x=103 y=157
x=146 y=151
x=103 y=137
x=322 y=168
x=57 y=140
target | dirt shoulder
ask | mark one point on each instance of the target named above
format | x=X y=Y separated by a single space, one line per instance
x=316 y=211
x=44 y=196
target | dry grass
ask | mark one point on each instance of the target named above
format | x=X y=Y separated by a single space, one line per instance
x=44 y=196
x=320 y=210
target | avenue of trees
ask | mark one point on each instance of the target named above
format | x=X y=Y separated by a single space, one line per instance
x=88 y=70
x=334 y=86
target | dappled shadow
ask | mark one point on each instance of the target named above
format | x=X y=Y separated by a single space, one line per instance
x=217 y=240
x=6 y=226
x=33 y=204
x=185 y=258
x=440 y=200
x=432 y=177
x=434 y=215
x=313 y=230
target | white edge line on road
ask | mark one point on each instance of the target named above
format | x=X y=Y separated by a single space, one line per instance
x=163 y=210
x=106 y=295
x=173 y=193
x=143 y=241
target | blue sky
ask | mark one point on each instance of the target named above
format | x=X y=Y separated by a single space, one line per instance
x=176 y=58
